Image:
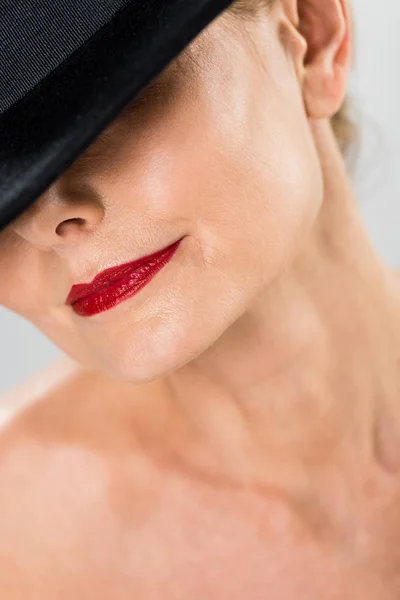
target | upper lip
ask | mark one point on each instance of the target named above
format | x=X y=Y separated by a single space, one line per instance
x=108 y=276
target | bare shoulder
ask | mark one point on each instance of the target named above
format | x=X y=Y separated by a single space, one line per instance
x=394 y=283
x=36 y=387
x=76 y=428
x=69 y=402
x=74 y=482
x=73 y=428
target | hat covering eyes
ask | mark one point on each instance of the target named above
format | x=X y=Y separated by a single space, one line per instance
x=68 y=68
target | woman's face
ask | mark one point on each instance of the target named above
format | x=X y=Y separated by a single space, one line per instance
x=218 y=152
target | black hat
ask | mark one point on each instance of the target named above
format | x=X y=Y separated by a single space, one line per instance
x=68 y=68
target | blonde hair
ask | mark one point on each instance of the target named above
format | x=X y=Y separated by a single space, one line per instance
x=341 y=122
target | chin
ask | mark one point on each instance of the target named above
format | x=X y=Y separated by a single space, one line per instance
x=153 y=353
x=162 y=345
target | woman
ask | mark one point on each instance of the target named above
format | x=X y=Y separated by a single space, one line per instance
x=234 y=428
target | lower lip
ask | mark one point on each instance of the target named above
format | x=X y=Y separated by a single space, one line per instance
x=125 y=288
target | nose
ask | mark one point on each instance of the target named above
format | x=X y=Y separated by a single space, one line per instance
x=60 y=219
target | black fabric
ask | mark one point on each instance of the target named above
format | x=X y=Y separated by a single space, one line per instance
x=37 y=36
x=43 y=132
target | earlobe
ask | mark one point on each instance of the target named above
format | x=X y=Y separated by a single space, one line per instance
x=326 y=28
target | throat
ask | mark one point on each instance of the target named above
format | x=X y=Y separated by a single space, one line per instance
x=312 y=410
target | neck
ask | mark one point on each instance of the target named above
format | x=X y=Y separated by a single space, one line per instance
x=308 y=378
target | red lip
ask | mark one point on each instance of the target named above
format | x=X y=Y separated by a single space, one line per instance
x=116 y=284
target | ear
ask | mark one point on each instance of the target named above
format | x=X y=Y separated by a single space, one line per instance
x=324 y=26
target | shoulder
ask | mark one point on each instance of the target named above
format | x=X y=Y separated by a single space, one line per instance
x=35 y=388
x=70 y=421
x=396 y=273
x=62 y=430
x=73 y=478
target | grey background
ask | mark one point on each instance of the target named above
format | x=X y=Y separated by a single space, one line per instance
x=375 y=94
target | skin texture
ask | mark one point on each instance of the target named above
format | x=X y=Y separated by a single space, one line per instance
x=234 y=429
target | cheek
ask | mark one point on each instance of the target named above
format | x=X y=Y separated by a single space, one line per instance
x=248 y=188
x=28 y=290
x=21 y=288
x=271 y=184
x=18 y=291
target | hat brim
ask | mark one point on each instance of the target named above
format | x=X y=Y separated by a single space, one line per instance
x=43 y=133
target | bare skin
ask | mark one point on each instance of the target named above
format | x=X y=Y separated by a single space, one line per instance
x=266 y=465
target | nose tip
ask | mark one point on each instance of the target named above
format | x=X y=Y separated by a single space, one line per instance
x=53 y=221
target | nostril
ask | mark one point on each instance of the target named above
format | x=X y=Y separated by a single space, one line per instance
x=69 y=224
